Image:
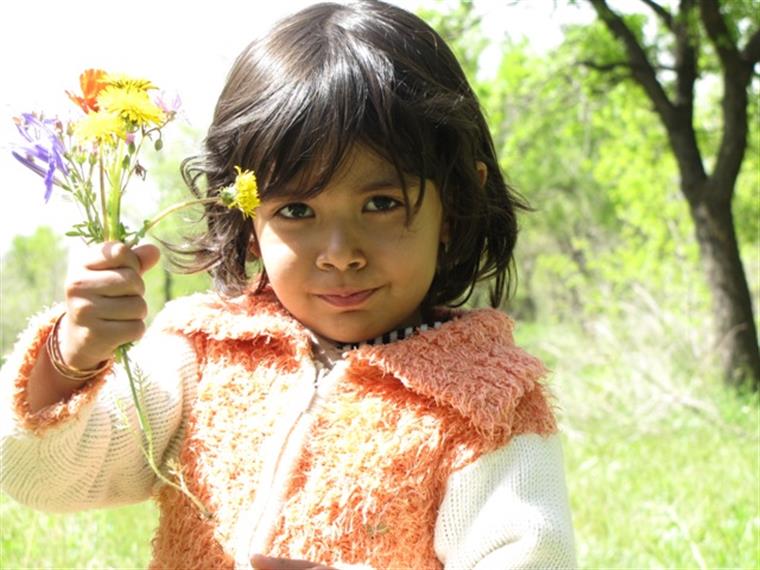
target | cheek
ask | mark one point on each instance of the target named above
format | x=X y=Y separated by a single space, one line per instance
x=279 y=258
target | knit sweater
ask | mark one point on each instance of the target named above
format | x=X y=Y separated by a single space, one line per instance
x=438 y=451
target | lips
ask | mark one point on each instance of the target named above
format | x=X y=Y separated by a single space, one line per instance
x=347 y=299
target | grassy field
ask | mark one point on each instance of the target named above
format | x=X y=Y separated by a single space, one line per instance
x=662 y=473
x=115 y=538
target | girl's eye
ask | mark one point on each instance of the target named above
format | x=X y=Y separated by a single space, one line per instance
x=295 y=211
x=382 y=204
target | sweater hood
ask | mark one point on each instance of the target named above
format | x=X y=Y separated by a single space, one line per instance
x=470 y=363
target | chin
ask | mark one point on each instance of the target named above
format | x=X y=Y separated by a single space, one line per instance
x=347 y=334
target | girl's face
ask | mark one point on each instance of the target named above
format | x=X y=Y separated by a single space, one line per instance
x=345 y=263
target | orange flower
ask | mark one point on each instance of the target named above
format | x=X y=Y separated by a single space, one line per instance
x=92 y=83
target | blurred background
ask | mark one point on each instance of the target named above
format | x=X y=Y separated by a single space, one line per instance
x=633 y=129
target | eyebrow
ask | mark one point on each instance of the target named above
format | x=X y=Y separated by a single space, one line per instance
x=381 y=183
x=378 y=179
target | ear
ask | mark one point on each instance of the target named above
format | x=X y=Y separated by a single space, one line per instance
x=482 y=170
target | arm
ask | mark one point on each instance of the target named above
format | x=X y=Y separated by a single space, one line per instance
x=82 y=452
x=68 y=444
x=508 y=510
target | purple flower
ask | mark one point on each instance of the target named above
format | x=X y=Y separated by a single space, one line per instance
x=169 y=107
x=43 y=145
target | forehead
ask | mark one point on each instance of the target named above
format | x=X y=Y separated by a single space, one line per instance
x=361 y=162
x=361 y=167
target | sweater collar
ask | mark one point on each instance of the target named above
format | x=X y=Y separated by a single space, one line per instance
x=469 y=363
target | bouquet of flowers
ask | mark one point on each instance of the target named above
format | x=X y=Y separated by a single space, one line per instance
x=93 y=158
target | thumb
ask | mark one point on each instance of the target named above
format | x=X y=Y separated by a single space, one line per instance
x=148 y=254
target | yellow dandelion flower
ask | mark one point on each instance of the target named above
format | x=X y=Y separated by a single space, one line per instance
x=103 y=126
x=131 y=104
x=122 y=81
x=243 y=194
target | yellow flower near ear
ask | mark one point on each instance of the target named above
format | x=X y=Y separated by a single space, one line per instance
x=134 y=105
x=243 y=194
x=101 y=126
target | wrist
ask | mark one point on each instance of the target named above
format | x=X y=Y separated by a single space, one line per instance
x=75 y=352
x=77 y=370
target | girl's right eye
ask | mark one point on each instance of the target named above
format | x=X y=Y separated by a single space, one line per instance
x=295 y=211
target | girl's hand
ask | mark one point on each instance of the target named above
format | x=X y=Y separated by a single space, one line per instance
x=105 y=307
x=261 y=562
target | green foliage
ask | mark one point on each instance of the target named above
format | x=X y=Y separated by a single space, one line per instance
x=599 y=174
x=164 y=282
x=460 y=27
x=661 y=461
x=33 y=271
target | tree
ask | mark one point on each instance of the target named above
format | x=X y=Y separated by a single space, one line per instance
x=667 y=69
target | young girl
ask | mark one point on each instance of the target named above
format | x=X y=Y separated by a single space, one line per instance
x=332 y=411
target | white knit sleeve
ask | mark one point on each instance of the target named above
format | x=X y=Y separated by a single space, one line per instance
x=91 y=457
x=508 y=510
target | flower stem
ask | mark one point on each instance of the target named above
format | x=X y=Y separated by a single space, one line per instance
x=114 y=195
x=142 y=418
x=103 y=205
x=149 y=224
x=148 y=446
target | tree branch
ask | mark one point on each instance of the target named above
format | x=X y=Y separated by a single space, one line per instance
x=641 y=68
x=676 y=117
x=751 y=52
x=612 y=65
x=686 y=58
x=717 y=31
x=736 y=75
x=664 y=15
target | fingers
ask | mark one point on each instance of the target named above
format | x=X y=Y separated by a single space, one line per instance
x=261 y=562
x=112 y=269
x=113 y=255
x=97 y=342
x=105 y=307
x=148 y=255
x=105 y=282
x=85 y=311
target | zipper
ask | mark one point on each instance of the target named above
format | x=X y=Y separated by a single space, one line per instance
x=255 y=527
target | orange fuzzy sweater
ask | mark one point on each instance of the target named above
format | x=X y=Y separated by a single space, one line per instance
x=372 y=467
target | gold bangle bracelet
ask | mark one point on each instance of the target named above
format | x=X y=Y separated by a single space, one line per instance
x=69 y=372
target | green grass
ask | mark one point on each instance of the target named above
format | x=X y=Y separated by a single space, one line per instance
x=662 y=466
x=112 y=538
x=662 y=461
x=683 y=496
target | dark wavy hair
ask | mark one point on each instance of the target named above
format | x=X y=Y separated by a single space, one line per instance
x=332 y=76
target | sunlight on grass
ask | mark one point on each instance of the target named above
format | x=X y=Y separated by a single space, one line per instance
x=113 y=538
x=662 y=461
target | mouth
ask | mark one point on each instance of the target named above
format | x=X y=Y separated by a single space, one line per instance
x=346 y=299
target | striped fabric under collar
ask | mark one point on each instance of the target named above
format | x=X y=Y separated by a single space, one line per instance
x=392 y=336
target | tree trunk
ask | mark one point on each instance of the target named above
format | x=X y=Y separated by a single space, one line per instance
x=168 y=286
x=737 y=348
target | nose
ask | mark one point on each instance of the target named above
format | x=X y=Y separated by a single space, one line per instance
x=341 y=250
